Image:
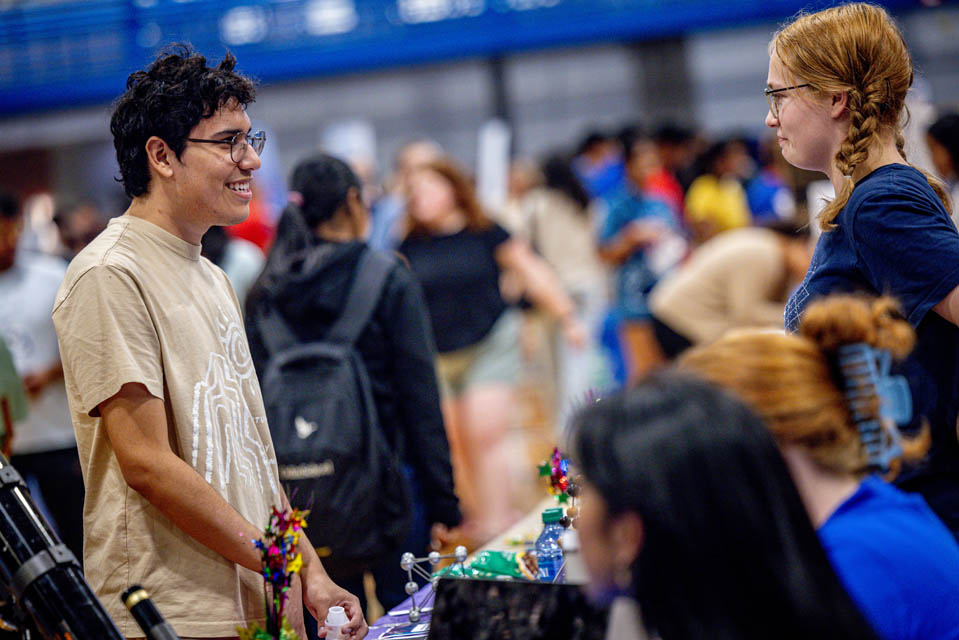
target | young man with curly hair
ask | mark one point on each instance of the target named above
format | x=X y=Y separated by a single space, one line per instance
x=179 y=466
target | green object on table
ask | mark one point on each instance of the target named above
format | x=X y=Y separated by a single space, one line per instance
x=490 y=565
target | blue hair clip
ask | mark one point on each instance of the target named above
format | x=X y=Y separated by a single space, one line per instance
x=865 y=371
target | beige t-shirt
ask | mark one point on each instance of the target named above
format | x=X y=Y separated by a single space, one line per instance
x=564 y=236
x=735 y=280
x=140 y=305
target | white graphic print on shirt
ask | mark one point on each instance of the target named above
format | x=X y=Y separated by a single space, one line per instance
x=220 y=411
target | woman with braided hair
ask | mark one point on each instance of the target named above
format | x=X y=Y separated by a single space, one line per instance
x=836 y=89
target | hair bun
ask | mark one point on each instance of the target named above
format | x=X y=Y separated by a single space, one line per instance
x=847 y=319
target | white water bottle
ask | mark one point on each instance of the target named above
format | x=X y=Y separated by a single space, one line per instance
x=335 y=619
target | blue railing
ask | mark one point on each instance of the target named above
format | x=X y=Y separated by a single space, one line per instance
x=80 y=52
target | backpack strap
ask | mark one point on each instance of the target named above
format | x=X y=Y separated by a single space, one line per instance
x=275 y=332
x=371 y=274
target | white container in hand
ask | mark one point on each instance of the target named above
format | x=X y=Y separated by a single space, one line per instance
x=335 y=619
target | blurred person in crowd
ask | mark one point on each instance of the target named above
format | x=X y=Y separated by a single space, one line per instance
x=738 y=279
x=258 y=229
x=44 y=446
x=241 y=260
x=677 y=149
x=308 y=289
x=13 y=399
x=557 y=219
x=458 y=255
x=691 y=526
x=769 y=194
x=176 y=452
x=386 y=213
x=942 y=138
x=672 y=155
x=896 y=558
x=599 y=164
x=836 y=90
x=524 y=176
x=78 y=222
x=641 y=238
x=716 y=200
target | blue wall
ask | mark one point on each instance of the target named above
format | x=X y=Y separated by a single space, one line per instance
x=76 y=53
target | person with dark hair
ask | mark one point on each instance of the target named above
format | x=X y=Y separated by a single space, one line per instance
x=177 y=457
x=599 y=164
x=459 y=255
x=738 y=279
x=643 y=240
x=769 y=192
x=942 y=138
x=78 y=223
x=558 y=220
x=689 y=512
x=836 y=90
x=676 y=148
x=44 y=449
x=716 y=201
x=308 y=288
x=834 y=425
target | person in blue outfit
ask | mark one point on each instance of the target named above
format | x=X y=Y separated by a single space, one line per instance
x=640 y=237
x=898 y=561
x=680 y=547
x=836 y=90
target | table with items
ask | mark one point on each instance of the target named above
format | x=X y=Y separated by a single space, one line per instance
x=506 y=557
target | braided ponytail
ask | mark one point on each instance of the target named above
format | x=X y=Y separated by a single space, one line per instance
x=857 y=49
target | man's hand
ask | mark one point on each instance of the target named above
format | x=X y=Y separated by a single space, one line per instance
x=320 y=593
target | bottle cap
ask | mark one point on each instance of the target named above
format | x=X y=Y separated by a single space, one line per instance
x=552 y=515
x=336 y=617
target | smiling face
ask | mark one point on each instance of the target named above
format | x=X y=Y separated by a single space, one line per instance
x=210 y=188
x=808 y=134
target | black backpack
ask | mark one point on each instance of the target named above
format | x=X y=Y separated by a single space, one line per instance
x=333 y=456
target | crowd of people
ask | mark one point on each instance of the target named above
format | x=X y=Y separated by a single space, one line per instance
x=737 y=484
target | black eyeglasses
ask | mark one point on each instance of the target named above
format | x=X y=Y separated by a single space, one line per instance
x=238 y=144
x=773 y=98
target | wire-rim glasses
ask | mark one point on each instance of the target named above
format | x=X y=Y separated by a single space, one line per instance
x=772 y=97
x=238 y=143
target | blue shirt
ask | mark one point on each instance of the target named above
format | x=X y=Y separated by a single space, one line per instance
x=895 y=237
x=635 y=277
x=897 y=561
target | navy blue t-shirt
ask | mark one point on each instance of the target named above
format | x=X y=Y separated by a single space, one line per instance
x=897 y=561
x=460 y=279
x=894 y=237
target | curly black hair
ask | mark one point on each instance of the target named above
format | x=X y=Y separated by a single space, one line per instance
x=167 y=100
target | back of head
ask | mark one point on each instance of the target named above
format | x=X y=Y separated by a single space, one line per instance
x=558 y=174
x=323 y=183
x=794 y=383
x=855 y=48
x=945 y=131
x=728 y=550
x=167 y=100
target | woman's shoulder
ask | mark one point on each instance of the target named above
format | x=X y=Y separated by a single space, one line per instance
x=894 y=187
x=881 y=523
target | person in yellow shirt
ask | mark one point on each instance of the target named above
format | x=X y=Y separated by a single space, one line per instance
x=716 y=201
